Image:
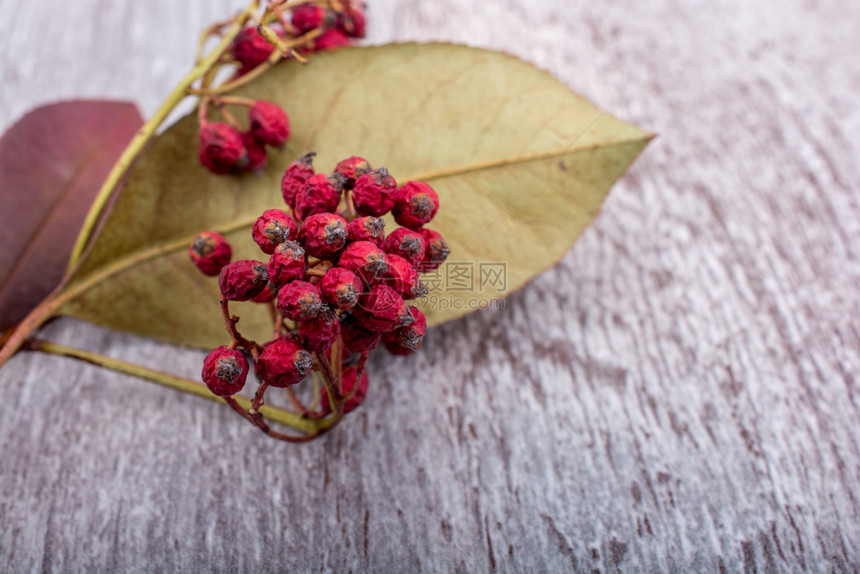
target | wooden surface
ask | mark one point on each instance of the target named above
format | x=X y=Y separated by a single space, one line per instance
x=680 y=393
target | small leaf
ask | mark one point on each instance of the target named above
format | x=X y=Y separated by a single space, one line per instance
x=521 y=165
x=52 y=163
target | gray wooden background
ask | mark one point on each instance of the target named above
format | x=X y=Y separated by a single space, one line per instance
x=680 y=393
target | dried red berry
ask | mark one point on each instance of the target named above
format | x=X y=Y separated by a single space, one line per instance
x=364 y=259
x=318 y=334
x=341 y=288
x=324 y=235
x=320 y=195
x=225 y=371
x=256 y=153
x=356 y=338
x=367 y=228
x=329 y=40
x=374 y=193
x=352 y=168
x=406 y=340
x=250 y=49
x=269 y=123
x=403 y=278
x=271 y=229
x=407 y=243
x=354 y=397
x=242 y=280
x=296 y=177
x=308 y=17
x=300 y=301
x=381 y=309
x=267 y=295
x=416 y=204
x=221 y=148
x=435 y=250
x=210 y=252
x=287 y=263
x=353 y=22
x=283 y=362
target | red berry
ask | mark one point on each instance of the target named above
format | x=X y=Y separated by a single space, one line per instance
x=267 y=295
x=242 y=280
x=351 y=168
x=225 y=371
x=374 y=193
x=341 y=288
x=296 y=177
x=287 y=263
x=408 y=339
x=308 y=17
x=356 y=338
x=283 y=362
x=324 y=235
x=382 y=309
x=271 y=229
x=300 y=301
x=364 y=259
x=318 y=196
x=416 y=204
x=367 y=228
x=406 y=243
x=435 y=250
x=250 y=49
x=210 y=252
x=319 y=333
x=356 y=396
x=403 y=278
x=329 y=40
x=269 y=123
x=353 y=23
x=221 y=148
x=256 y=153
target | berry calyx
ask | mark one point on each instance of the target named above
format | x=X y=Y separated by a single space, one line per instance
x=374 y=193
x=381 y=309
x=416 y=204
x=242 y=280
x=324 y=235
x=221 y=148
x=287 y=263
x=406 y=243
x=364 y=259
x=300 y=301
x=367 y=228
x=341 y=288
x=296 y=177
x=269 y=123
x=210 y=252
x=283 y=362
x=225 y=371
x=406 y=340
x=271 y=229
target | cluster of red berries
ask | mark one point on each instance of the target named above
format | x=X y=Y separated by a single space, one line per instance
x=333 y=275
x=336 y=29
x=224 y=149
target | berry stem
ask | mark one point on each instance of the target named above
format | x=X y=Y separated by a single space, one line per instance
x=292 y=420
x=230 y=324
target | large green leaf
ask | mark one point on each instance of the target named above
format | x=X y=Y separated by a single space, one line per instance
x=521 y=165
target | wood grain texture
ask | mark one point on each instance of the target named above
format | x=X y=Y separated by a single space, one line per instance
x=680 y=393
